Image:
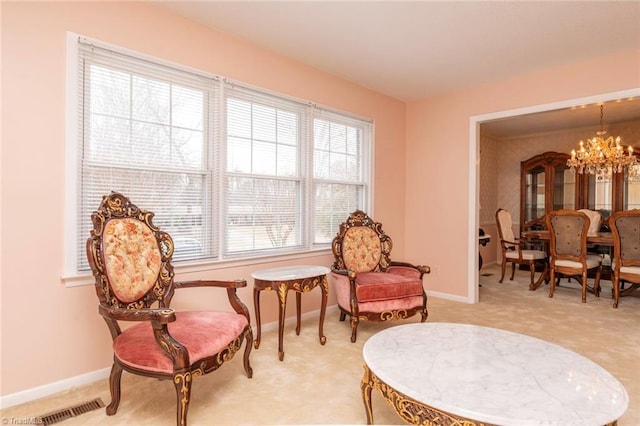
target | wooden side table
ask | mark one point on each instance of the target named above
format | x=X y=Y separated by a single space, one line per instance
x=301 y=279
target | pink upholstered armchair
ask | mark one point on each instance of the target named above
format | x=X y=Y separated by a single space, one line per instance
x=368 y=285
x=131 y=262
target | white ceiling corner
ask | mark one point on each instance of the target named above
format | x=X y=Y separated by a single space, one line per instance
x=412 y=50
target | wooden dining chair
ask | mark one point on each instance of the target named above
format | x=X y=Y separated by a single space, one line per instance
x=568 y=231
x=595 y=221
x=625 y=227
x=514 y=250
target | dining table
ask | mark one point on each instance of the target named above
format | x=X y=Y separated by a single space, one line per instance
x=602 y=238
x=542 y=236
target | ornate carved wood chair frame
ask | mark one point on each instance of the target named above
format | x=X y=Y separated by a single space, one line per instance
x=514 y=250
x=568 y=231
x=625 y=227
x=346 y=267
x=150 y=308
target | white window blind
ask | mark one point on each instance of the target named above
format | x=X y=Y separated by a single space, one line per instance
x=340 y=171
x=230 y=171
x=145 y=132
x=265 y=184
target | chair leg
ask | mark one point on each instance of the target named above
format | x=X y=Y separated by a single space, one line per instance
x=354 y=328
x=182 y=383
x=584 y=287
x=532 y=270
x=616 y=290
x=247 y=352
x=552 y=281
x=342 y=316
x=596 y=282
x=424 y=314
x=513 y=270
x=503 y=267
x=114 y=386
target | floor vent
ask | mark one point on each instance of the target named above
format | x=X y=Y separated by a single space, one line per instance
x=67 y=413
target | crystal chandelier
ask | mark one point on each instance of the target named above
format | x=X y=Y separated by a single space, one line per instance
x=600 y=156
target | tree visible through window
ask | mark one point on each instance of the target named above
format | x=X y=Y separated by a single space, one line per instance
x=229 y=171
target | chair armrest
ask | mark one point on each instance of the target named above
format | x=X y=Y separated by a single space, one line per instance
x=230 y=285
x=516 y=244
x=346 y=272
x=211 y=283
x=159 y=316
x=423 y=269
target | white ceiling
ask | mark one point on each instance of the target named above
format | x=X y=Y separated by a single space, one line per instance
x=415 y=49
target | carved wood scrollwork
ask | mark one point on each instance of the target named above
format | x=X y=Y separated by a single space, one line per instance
x=408 y=409
x=117 y=206
x=393 y=315
x=360 y=219
x=228 y=353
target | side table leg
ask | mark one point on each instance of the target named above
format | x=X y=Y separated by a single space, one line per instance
x=256 y=304
x=323 y=308
x=282 y=296
x=366 y=387
x=298 y=311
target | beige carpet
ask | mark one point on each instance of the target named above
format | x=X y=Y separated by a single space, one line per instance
x=321 y=384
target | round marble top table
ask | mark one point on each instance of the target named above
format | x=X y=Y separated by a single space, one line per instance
x=445 y=372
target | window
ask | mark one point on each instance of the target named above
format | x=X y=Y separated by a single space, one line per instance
x=265 y=179
x=232 y=172
x=340 y=173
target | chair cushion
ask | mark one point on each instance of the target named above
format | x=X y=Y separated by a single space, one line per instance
x=376 y=286
x=202 y=333
x=404 y=304
x=131 y=258
x=405 y=271
x=632 y=270
x=593 y=261
x=505 y=225
x=635 y=270
x=361 y=249
x=527 y=254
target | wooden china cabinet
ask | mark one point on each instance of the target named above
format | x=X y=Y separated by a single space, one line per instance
x=547 y=184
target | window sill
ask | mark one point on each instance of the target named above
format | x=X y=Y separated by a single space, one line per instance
x=185 y=268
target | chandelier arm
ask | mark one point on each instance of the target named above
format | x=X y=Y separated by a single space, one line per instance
x=601 y=156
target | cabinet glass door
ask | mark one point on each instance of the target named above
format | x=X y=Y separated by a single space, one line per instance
x=631 y=188
x=564 y=188
x=600 y=195
x=534 y=194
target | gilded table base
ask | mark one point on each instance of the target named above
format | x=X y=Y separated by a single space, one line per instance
x=410 y=410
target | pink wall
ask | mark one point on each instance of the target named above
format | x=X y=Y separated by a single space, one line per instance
x=438 y=151
x=45 y=324
x=52 y=333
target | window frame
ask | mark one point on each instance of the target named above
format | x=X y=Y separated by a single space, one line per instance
x=72 y=274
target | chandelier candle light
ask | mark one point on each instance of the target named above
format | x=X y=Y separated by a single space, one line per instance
x=601 y=156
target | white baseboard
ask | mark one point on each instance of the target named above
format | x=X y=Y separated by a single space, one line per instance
x=53 y=388
x=446 y=296
x=85 y=379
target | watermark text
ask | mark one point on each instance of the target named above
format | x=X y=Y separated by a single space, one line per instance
x=22 y=421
